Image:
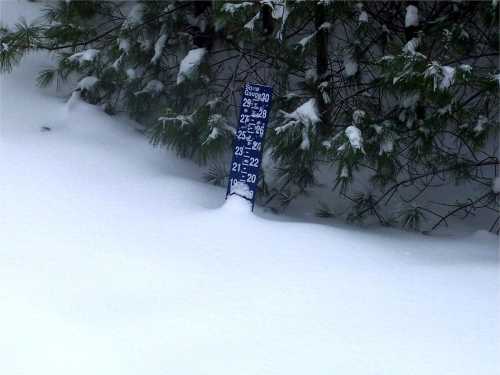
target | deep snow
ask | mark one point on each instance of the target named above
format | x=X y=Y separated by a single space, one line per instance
x=116 y=259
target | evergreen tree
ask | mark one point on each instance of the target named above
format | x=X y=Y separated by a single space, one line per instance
x=402 y=95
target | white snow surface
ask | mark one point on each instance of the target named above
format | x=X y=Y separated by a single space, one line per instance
x=116 y=259
x=241 y=189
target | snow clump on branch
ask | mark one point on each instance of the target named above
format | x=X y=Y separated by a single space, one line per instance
x=306 y=116
x=189 y=64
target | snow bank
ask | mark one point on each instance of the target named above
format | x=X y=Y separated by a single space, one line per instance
x=236 y=204
x=241 y=189
x=116 y=259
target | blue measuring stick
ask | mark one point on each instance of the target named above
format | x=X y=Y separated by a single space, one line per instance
x=248 y=145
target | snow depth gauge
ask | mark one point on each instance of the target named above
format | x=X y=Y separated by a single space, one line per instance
x=248 y=145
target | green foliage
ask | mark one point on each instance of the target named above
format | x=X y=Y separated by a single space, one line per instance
x=412 y=218
x=323 y=211
x=217 y=174
x=363 y=205
x=200 y=135
x=404 y=110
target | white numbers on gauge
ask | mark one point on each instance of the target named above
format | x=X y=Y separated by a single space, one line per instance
x=241 y=134
x=236 y=167
x=251 y=178
x=239 y=151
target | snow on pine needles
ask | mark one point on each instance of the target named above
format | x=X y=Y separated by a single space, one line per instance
x=117 y=259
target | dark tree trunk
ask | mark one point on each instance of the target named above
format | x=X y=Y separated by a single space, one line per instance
x=201 y=6
x=267 y=19
x=321 y=61
x=205 y=38
x=321 y=42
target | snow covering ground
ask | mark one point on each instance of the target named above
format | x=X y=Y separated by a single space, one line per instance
x=116 y=259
